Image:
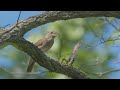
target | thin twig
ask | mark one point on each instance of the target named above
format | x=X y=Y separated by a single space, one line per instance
x=74 y=52
x=97 y=62
x=24 y=73
x=6 y=25
x=91 y=28
x=107 y=72
x=64 y=60
x=112 y=24
x=105 y=41
x=13 y=26
x=19 y=17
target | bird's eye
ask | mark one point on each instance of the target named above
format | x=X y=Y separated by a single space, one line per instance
x=51 y=32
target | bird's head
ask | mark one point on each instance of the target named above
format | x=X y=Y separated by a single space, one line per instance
x=52 y=34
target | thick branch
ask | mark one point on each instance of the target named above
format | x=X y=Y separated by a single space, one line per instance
x=24 y=26
x=13 y=36
x=51 y=16
x=52 y=65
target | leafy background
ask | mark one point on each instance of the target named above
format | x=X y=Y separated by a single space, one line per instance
x=94 y=56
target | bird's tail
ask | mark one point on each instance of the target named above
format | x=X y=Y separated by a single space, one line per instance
x=30 y=65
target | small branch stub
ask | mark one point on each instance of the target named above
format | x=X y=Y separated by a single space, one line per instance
x=74 y=53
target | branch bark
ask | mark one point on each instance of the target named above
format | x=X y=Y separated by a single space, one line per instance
x=39 y=57
x=74 y=53
x=13 y=36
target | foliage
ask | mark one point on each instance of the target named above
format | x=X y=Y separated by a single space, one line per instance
x=93 y=57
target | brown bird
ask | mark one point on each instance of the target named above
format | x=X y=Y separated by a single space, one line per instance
x=44 y=44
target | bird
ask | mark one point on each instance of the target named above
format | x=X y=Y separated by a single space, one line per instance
x=44 y=44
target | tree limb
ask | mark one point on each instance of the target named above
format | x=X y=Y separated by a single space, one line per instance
x=39 y=57
x=13 y=36
x=51 y=16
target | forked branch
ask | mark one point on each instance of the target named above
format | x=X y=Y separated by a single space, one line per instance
x=13 y=36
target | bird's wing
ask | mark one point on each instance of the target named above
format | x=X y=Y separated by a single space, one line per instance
x=40 y=42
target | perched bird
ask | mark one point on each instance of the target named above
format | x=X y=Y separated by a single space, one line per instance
x=44 y=44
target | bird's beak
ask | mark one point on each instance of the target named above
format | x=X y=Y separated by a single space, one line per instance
x=56 y=34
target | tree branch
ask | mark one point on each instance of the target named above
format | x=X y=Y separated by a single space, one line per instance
x=74 y=53
x=107 y=72
x=51 y=16
x=39 y=57
x=13 y=35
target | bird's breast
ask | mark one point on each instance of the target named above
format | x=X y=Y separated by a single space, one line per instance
x=46 y=45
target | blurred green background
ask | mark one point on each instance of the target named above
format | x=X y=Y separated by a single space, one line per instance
x=94 y=55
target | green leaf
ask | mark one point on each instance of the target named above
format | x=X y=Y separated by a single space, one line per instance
x=115 y=33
